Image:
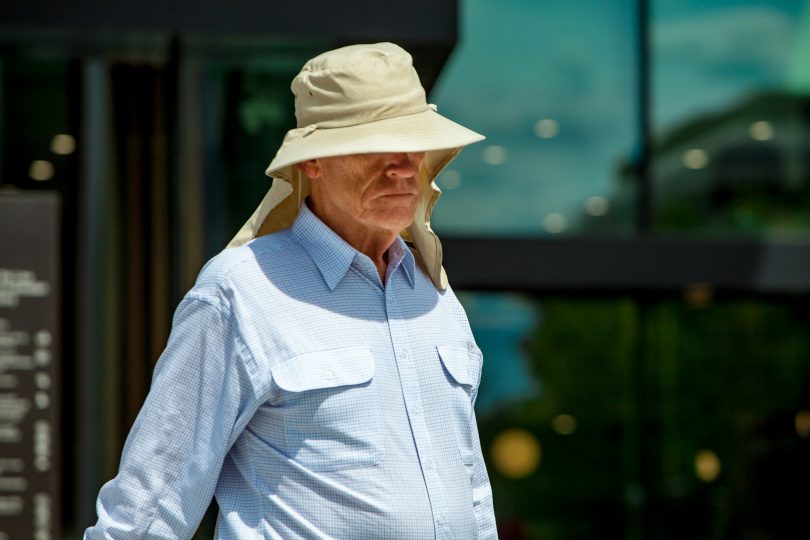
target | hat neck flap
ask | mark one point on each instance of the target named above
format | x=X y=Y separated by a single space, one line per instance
x=281 y=204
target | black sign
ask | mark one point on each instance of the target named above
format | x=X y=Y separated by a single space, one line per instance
x=29 y=362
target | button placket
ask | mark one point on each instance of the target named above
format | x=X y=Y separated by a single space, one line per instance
x=409 y=378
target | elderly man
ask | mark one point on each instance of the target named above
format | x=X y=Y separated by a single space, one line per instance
x=320 y=377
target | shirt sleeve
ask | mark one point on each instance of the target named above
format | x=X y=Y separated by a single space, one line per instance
x=198 y=403
x=482 y=491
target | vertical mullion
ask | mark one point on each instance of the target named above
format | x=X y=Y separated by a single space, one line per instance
x=644 y=208
x=90 y=349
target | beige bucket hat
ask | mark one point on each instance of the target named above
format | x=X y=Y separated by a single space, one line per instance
x=356 y=100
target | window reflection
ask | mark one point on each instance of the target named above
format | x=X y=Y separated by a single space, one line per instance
x=733 y=133
x=643 y=413
x=552 y=86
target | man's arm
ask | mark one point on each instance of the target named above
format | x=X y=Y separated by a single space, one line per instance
x=172 y=458
x=482 y=492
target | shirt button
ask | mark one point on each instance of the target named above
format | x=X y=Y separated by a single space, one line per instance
x=405 y=354
x=440 y=519
x=430 y=464
x=328 y=374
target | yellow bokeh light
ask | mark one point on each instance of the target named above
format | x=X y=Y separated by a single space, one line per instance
x=803 y=424
x=761 y=131
x=597 y=206
x=516 y=453
x=63 y=144
x=699 y=295
x=41 y=170
x=555 y=223
x=696 y=158
x=707 y=465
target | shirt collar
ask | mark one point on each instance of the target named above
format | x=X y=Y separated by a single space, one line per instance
x=400 y=255
x=333 y=255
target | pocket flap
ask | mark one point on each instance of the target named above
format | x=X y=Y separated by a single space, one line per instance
x=325 y=369
x=457 y=363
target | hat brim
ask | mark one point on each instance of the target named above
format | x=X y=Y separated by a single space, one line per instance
x=425 y=131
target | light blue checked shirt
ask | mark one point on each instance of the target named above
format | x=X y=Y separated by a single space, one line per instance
x=311 y=400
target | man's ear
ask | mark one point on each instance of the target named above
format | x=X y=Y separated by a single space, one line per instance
x=310 y=168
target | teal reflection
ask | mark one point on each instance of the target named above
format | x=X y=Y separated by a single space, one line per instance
x=501 y=324
x=710 y=54
x=552 y=86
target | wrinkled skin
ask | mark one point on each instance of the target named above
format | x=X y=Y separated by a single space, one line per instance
x=367 y=199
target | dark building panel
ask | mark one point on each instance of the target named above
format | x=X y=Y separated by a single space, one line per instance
x=412 y=21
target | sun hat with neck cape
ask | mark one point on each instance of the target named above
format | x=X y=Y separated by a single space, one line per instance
x=356 y=100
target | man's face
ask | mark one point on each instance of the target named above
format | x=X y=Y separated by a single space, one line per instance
x=370 y=191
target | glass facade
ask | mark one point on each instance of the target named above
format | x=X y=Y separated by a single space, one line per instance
x=553 y=87
x=559 y=102
x=645 y=418
x=637 y=416
x=627 y=414
x=242 y=109
x=731 y=95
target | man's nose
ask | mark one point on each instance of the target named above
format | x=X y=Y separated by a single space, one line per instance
x=403 y=164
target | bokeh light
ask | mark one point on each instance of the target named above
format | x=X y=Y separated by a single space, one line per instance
x=494 y=155
x=761 y=131
x=41 y=170
x=555 y=223
x=516 y=453
x=699 y=295
x=450 y=179
x=695 y=159
x=564 y=424
x=63 y=144
x=597 y=206
x=803 y=424
x=546 y=128
x=707 y=465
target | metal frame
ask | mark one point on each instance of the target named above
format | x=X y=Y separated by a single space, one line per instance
x=615 y=265
x=422 y=21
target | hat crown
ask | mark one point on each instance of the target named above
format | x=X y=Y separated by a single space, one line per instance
x=356 y=85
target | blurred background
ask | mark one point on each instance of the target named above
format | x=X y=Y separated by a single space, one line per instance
x=631 y=242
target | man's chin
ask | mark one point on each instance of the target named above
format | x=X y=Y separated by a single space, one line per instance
x=394 y=225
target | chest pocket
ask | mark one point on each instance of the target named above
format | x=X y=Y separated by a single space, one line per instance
x=462 y=368
x=325 y=409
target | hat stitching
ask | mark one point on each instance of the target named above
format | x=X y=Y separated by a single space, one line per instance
x=356 y=63
x=310 y=128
